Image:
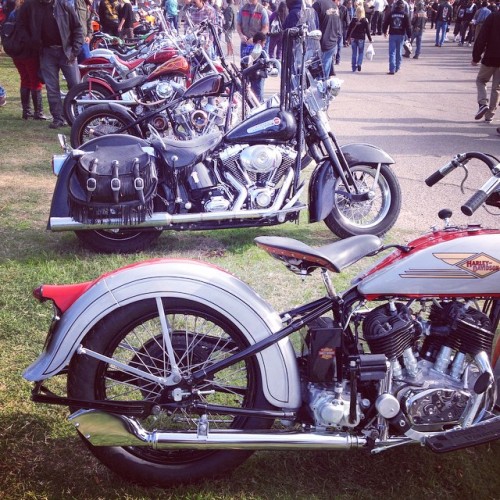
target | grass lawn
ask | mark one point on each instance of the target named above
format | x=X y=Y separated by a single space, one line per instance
x=41 y=455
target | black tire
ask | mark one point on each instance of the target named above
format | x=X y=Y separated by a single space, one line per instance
x=83 y=90
x=119 y=240
x=200 y=336
x=99 y=120
x=375 y=216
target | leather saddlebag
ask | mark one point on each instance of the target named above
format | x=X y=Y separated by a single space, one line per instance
x=113 y=183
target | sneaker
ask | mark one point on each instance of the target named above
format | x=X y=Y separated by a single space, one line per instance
x=3 y=101
x=481 y=111
x=415 y=57
x=391 y=73
x=359 y=67
x=489 y=119
x=57 y=124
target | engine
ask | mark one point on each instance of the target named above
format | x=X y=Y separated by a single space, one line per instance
x=242 y=178
x=436 y=365
x=430 y=366
x=194 y=118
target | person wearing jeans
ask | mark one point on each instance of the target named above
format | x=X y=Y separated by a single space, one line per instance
x=443 y=19
x=54 y=27
x=397 y=25
x=487 y=46
x=418 y=25
x=358 y=29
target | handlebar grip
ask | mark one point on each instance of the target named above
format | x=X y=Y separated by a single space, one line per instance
x=474 y=202
x=442 y=172
x=434 y=178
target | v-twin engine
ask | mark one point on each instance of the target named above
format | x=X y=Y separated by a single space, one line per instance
x=439 y=366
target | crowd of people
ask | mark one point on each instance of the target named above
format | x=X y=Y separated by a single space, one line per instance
x=58 y=34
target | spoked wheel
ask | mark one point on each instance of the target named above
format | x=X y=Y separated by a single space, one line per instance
x=118 y=240
x=200 y=336
x=373 y=216
x=99 y=120
x=82 y=91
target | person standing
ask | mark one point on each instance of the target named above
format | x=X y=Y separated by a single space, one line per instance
x=108 y=16
x=331 y=28
x=356 y=33
x=26 y=60
x=172 y=13
x=378 y=16
x=126 y=18
x=229 y=26
x=53 y=27
x=443 y=19
x=251 y=18
x=418 y=22
x=345 y=20
x=480 y=17
x=82 y=8
x=276 y=23
x=487 y=45
x=397 y=25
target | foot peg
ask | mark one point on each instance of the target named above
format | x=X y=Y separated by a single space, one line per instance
x=463 y=438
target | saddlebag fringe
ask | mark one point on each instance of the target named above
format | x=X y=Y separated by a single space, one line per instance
x=113 y=183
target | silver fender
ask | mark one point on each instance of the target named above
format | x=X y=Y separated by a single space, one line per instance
x=185 y=279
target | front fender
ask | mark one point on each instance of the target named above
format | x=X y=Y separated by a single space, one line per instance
x=59 y=206
x=322 y=183
x=185 y=279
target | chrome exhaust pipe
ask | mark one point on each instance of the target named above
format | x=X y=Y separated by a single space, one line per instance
x=164 y=219
x=92 y=102
x=106 y=429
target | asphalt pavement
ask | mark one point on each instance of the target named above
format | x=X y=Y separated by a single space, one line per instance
x=422 y=116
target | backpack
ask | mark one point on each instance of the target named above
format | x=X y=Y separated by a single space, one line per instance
x=275 y=28
x=13 y=39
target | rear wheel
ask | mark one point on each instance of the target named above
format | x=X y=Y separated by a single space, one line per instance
x=200 y=337
x=100 y=120
x=118 y=240
x=373 y=216
x=82 y=91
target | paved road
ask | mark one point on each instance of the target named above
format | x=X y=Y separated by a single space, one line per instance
x=422 y=117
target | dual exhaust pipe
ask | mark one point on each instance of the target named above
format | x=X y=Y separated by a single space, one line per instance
x=106 y=429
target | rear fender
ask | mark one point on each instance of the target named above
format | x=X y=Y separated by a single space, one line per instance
x=322 y=183
x=185 y=279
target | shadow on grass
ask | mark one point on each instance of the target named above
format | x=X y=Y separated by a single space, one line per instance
x=35 y=465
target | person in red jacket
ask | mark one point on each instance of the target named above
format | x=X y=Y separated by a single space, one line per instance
x=487 y=45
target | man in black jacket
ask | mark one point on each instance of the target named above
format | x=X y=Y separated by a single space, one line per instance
x=397 y=25
x=54 y=28
x=488 y=46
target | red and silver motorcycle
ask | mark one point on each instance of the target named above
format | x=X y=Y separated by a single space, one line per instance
x=177 y=370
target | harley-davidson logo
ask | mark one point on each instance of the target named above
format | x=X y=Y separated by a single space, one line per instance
x=464 y=266
x=481 y=265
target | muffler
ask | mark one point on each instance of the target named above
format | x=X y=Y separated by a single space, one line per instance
x=106 y=429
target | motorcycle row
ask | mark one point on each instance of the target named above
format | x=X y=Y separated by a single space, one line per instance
x=175 y=369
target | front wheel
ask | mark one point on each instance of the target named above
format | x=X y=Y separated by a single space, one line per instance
x=118 y=240
x=100 y=120
x=374 y=216
x=200 y=336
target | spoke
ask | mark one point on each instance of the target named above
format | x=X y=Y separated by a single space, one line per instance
x=167 y=340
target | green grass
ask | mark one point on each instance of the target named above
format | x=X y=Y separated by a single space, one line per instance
x=40 y=454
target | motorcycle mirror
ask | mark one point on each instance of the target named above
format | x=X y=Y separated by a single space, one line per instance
x=315 y=35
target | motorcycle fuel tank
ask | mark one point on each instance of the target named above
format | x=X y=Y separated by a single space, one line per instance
x=270 y=125
x=465 y=266
x=205 y=87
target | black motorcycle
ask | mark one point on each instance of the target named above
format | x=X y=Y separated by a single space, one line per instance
x=118 y=192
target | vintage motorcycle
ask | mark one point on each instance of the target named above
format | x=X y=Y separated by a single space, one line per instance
x=119 y=192
x=176 y=370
